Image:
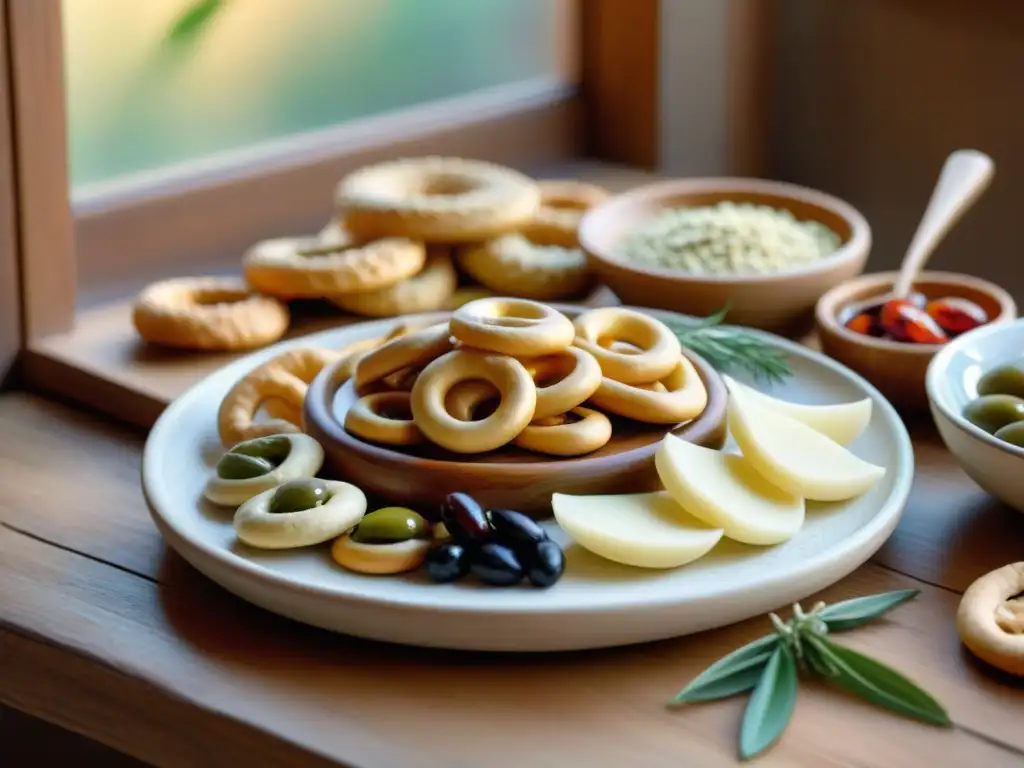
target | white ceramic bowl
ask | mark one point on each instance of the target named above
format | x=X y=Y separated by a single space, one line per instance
x=952 y=382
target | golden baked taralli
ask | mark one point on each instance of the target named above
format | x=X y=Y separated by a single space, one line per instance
x=990 y=618
x=411 y=350
x=598 y=328
x=208 y=313
x=684 y=398
x=273 y=519
x=564 y=380
x=513 y=413
x=285 y=377
x=584 y=432
x=464 y=400
x=436 y=200
x=379 y=559
x=515 y=327
x=513 y=265
x=562 y=206
x=255 y=466
x=384 y=417
x=426 y=291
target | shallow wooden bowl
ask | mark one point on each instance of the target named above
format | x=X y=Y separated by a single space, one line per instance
x=782 y=302
x=895 y=368
x=510 y=477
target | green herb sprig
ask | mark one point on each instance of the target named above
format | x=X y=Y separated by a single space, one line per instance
x=770 y=667
x=728 y=348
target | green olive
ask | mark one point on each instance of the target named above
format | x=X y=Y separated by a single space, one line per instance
x=1003 y=380
x=993 y=412
x=274 y=449
x=238 y=466
x=390 y=525
x=1013 y=434
x=297 y=495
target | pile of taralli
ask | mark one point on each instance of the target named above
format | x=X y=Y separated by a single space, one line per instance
x=403 y=232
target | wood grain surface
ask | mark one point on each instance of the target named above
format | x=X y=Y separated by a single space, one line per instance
x=107 y=633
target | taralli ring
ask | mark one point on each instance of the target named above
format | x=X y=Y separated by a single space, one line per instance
x=379 y=559
x=515 y=327
x=585 y=433
x=562 y=205
x=307 y=267
x=412 y=350
x=383 y=417
x=425 y=292
x=255 y=466
x=299 y=513
x=564 y=380
x=285 y=377
x=514 y=265
x=598 y=328
x=465 y=400
x=437 y=200
x=513 y=413
x=208 y=314
x=991 y=619
x=354 y=353
x=684 y=398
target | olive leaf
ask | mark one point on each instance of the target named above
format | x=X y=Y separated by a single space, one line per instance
x=193 y=21
x=771 y=704
x=860 y=610
x=875 y=681
x=732 y=674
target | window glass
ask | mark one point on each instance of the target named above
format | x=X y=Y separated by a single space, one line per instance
x=158 y=82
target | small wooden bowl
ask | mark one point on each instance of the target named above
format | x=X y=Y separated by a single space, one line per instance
x=420 y=477
x=898 y=369
x=782 y=302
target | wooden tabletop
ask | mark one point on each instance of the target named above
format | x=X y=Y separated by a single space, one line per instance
x=106 y=632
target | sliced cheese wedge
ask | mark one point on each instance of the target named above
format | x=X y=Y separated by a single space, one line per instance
x=725 y=491
x=647 y=530
x=843 y=422
x=795 y=457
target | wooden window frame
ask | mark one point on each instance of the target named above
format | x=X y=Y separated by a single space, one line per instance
x=606 y=102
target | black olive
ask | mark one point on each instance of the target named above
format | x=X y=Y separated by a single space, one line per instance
x=515 y=530
x=544 y=564
x=496 y=565
x=447 y=562
x=465 y=519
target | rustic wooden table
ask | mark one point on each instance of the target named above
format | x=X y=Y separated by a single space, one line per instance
x=106 y=632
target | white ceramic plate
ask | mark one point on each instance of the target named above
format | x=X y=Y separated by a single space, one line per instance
x=596 y=604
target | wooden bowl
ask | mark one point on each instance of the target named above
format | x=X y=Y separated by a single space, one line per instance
x=781 y=302
x=510 y=477
x=895 y=368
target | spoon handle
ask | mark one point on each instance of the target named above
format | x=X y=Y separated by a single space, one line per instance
x=965 y=175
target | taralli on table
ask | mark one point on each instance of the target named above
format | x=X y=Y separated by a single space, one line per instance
x=585 y=433
x=515 y=327
x=464 y=400
x=306 y=267
x=514 y=411
x=285 y=377
x=598 y=328
x=990 y=618
x=208 y=313
x=437 y=200
x=564 y=380
x=335 y=508
x=513 y=265
x=255 y=466
x=384 y=417
x=685 y=397
x=562 y=205
x=423 y=292
x=412 y=350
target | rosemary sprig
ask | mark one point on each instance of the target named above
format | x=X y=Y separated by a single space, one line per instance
x=770 y=667
x=728 y=348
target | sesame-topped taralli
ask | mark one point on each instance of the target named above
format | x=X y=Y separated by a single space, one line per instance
x=436 y=200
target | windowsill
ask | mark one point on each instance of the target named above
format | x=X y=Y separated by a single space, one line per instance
x=102 y=364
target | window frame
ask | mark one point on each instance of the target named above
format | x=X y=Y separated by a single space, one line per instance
x=595 y=108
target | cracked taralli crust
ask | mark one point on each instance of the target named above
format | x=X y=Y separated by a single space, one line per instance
x=990 y=618
x=424 y=292
x=208 y=313
x=512 y=265
x=309 y=267
x=437 y=200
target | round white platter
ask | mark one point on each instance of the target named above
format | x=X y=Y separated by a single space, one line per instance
x=596 y=604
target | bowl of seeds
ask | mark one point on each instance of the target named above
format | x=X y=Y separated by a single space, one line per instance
x=766 y=249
